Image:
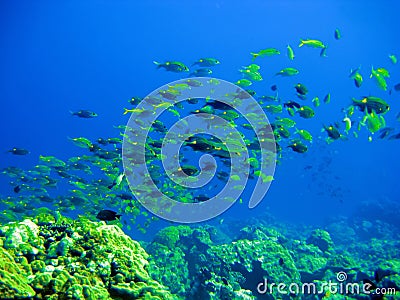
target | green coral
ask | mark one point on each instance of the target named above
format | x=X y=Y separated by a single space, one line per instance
x=169 y=236
x=13 y=279
x=170 y=267
x=321 y=239
x=75 y=260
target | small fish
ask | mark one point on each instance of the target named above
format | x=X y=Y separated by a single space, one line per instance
x=107 y=215
x=371 y=103
x=85 y=114
x=201 y=198
x=312 y=43
x=282 y=131
x=301 y=89
x=332 y=131
x=374 y=121
x=207 y=62
x=189 y=170
x=292 y=104
x=252 y=67
x=269 y=98
x=290 y=111
x=306 y=112
x=274 y=87
x=229 y=115
x=383 y=72
x=347 y=123
x=384 y=132
x=135 y=100
x=327 y=98
x=304 y=134
x=252 y=72
x=285 y=121
x=115 y=141
x=298 y=146
x=290 y=52
x=194 y=83
x=288 y=72
x=393 y=58
x=358 y=79
x=379 y=79
x=52 y=161
x=18 y=151
x=276 y=109
x=243 y=82
x=172 y=66
x=218 y=105
x=337 y=34
x=315 y=101
x=397 y=87
x=323 y=52
x=251 y=92
x=265 y=52
x=203 y=72
x=82 y=142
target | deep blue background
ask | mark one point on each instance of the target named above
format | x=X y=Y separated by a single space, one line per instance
x=71 y=55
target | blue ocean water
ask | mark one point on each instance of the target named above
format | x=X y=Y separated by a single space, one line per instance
x=58 y=57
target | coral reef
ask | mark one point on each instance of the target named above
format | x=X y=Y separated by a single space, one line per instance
x=60 y=258
x=68 y=259
x=196 y=266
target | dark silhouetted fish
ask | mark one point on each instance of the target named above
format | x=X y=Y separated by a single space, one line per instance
x=86 y=114
x=18 y=151
x=107 y=215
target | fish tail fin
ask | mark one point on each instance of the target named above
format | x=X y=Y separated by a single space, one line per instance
x=126 y=111
x=157 y=64
x=301 y=43
x=255 y=55
x=72 y=113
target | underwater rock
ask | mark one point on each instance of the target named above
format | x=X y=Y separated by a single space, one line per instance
x=73 y=260
x=310 y=261
x=341 y=232
x=259 y=232
x=321 y=239
x=388 y=273
x=22 y=238
x=169 y=266
x=245 y=263
x=169 y=236
x=13 y=279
